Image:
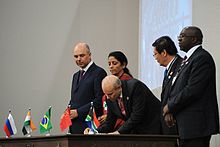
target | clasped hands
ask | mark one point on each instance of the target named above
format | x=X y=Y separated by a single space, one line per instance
x=168 y=117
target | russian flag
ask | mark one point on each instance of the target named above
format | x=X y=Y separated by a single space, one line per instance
x=9 y=127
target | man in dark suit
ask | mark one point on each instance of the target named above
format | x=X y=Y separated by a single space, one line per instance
x=86 y=88
x=165 y=53
x=133 y=102
x=193 y=99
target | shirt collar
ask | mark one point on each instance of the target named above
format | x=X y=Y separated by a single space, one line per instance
x=168 y=66
x=87 y=67
x=171 y=63
x=192 y=50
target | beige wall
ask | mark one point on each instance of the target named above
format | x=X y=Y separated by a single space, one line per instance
x=206 y=16
x=36 y=40
x=36 y=43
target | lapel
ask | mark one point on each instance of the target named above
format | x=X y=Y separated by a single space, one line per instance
x=75 y=81
x=179 y=71
x=168 y=77
x=85 y=76
x=171 y=73
x=126 y=98
x=185 y=65
x=115 y=107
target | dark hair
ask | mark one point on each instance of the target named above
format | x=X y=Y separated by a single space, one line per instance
x=165 y=43
x=122 y=59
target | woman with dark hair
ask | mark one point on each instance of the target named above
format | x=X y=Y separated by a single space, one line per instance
x=117 y=63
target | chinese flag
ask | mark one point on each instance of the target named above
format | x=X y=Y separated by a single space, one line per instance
x=65 y=120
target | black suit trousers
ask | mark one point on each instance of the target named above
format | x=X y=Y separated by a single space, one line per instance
x=196 y=142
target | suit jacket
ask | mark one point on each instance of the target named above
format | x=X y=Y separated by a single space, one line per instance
x=193 y=99
x=119 y=122
x=166 y=93
x=142 y=111
x=124 y=76
x=85 y=91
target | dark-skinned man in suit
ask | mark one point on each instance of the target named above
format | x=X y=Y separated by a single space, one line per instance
x=193 y=99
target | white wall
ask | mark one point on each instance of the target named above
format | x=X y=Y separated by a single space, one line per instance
x=36 y=40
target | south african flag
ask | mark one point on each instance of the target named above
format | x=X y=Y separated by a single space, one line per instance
x=92 y=120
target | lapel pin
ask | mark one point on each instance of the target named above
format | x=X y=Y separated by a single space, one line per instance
x=171 y=73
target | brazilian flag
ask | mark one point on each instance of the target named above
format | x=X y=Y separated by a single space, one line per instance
x=45 y=124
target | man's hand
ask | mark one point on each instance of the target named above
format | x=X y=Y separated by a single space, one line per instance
x=86 y=131
x=102 y=118
x=165 y=110
x=170 y=120
x=73 y=113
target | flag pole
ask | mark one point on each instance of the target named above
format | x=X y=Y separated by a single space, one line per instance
x=9 y=112
x=29 y=134
x=9 y=126
x=68 y=132
x=48 y=132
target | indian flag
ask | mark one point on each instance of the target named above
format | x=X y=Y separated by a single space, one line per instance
x=28 y=126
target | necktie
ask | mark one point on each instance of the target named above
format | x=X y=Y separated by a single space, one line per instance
x=181 y=66
x=184 y=61
x=164 y=78
x=165 y=73
x=81 y=74
x=121 y=105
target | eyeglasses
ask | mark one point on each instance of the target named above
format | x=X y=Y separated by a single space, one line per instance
x=183 y=35
x=155 y=54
